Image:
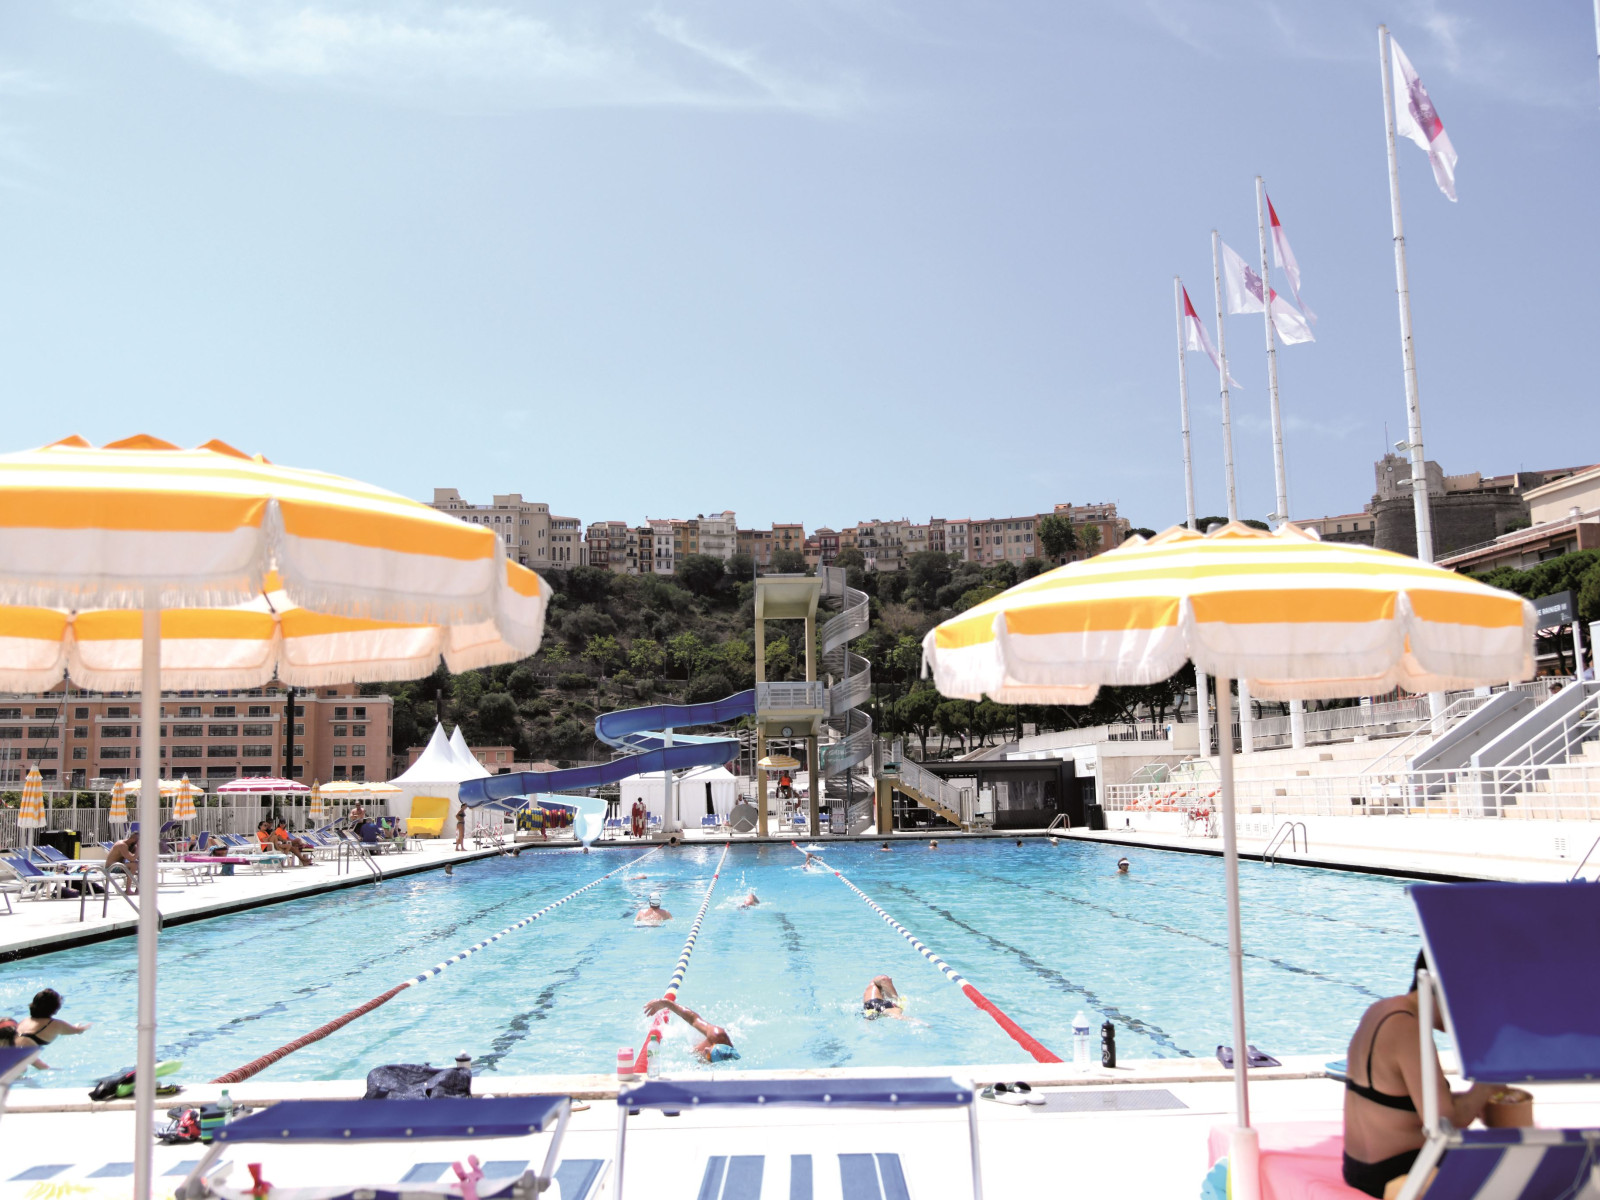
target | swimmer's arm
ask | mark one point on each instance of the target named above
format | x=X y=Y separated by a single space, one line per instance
x=61 y=1026
x=687 y=1014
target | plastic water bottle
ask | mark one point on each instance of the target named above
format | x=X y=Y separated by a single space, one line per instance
x=226 y=1105
x=1080 y=1041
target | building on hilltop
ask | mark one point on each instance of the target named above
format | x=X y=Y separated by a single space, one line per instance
x=1359 y=528
x=821 y=548
x=1564 y=514
x=612 y=546
x=211 y=737
x=527 y=530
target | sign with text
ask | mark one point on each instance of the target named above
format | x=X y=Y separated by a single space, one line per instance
x=1554 y=611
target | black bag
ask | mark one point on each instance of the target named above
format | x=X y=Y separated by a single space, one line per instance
x=408 y=1081
x=106 y=1089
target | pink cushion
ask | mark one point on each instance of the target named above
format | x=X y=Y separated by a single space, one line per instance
x=1301 y=1160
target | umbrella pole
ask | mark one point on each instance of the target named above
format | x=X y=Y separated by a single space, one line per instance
x=144 y=1086
x=1243 y=1147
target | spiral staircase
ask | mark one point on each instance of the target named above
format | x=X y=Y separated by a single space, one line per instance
x=849 y=680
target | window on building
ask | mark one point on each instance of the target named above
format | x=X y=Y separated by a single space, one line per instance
x=188 y=710
x=10 y=714
x=222 y=750
x=257 y=772
x=221 y=772
x=339 y=751
x=224 y=710
x=45 y=753
x=186 y=752
x=359 y=712
x=299 y=730
x=341 y=731
x=42 y=732
x=46 y=714
x=188 y=731
x=299 y=751
x=299 y=710
x=341 y=772
x=260 y=710
x=79 y=753
x=257 y=730
x=358 y=731
x=296 y=771
x=358 y=772
x=116 y=752
x=358 y=751
x=222 y=731
x=117 y=711
x=340 y=713
x=80 y=714
x=117 y=731
x=258 y=751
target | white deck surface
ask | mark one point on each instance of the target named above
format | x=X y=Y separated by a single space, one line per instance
x=1159 y=1154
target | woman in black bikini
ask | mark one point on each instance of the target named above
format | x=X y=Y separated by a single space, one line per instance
x=1383 y=1094
x=42 y=1025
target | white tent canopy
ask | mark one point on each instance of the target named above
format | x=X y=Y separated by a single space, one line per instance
x=464 y=756
x=697 y=787
x=437 y=772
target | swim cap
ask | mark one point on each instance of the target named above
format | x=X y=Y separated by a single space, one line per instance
x=655 y=899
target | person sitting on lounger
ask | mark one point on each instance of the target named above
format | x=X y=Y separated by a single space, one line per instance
x=283 y=840
x=1383 y=1093
x=652 y=913
x=125 y=854
x=715 y=1044
x=881 y=999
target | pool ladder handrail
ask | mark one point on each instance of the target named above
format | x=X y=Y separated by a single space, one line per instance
x=1585 y=862
x=351 y=850
x=1287 y=832
x=1063 y=822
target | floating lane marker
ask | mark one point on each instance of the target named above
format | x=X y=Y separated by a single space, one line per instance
x=322 y=1031
x=1021 y=1036
x=642 y=1063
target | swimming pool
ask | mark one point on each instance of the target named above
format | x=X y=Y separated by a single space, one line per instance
x=1042 y=930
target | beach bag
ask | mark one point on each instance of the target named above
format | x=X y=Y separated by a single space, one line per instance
x=408 y=1081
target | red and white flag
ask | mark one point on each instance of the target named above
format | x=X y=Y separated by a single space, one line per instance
x=1197 y=338
x=1417 y=119
x=1283 y=258
x=1244 y=296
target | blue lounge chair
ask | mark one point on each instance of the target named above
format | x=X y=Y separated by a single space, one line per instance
x=861 y=1176
x=1517 y=967
x=35 y=882
x=14 y=1063
x=353 y=1121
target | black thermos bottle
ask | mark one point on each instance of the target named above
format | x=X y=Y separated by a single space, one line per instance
x=1108 y=1045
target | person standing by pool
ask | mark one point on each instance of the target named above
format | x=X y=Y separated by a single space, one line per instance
x=1382 y=1131
x=715 y=1044
x=42 y=1026
x=461 y=828
x=652 y=913
x=881 y=999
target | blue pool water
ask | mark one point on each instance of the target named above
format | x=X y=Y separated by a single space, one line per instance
x=1043 y=930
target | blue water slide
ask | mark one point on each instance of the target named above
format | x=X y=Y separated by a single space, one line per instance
x=634 y=728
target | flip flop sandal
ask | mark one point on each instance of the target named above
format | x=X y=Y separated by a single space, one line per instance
x=1003 y=1093
x=1026 y=1093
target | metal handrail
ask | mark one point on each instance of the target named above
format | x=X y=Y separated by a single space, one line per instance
x=1585 y=862
x=1290 y=832
x=1063 y=820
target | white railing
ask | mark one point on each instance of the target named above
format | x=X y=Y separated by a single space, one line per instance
x=958 y=800
x=791 y=694
x=1562 y=791
x=235 y=815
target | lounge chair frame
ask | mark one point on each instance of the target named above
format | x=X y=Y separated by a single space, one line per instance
x=896 y=1094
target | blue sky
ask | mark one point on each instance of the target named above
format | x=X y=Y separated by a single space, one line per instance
x=815 y=261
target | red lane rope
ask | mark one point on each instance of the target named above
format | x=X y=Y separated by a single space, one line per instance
x=316 y=1035
x=1018 y=1034
x=641 y=1064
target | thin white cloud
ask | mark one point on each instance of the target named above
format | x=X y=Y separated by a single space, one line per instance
x=478 y=53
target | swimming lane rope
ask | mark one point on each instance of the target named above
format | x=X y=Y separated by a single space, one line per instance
x=642 y=1063
x=1021 y=1036
x=322 y=1031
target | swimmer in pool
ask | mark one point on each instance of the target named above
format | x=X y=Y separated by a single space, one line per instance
x=810 y=859
x=715 y=1044
x=933 y=845
x=653 y=913
x=1122 y=866
x=637 y=877
x=749 y=901
x=881 y=999
x=884 y=849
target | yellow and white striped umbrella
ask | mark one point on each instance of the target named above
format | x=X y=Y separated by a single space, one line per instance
x=31 y=814
x=183 y=806
x=359 y=787
x=1299 y=618
x=317 y=813
x=119 y=804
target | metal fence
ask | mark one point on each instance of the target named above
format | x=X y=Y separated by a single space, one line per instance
x=88 y=814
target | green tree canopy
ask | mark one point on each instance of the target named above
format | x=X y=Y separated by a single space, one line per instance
x=700 y=573
x=1057 y=536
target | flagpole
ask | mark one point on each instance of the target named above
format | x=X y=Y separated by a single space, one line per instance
x=1202 y=696
x=1408 y=357
x=1280 y=475
x=1223 y=706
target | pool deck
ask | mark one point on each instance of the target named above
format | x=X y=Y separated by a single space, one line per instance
x=1144 y=1137
x=39 y=926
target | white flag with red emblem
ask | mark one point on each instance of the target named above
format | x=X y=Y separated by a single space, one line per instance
x=1283 y=258
x=1197 y=338
x=1244 y=296
x=1417 y=119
